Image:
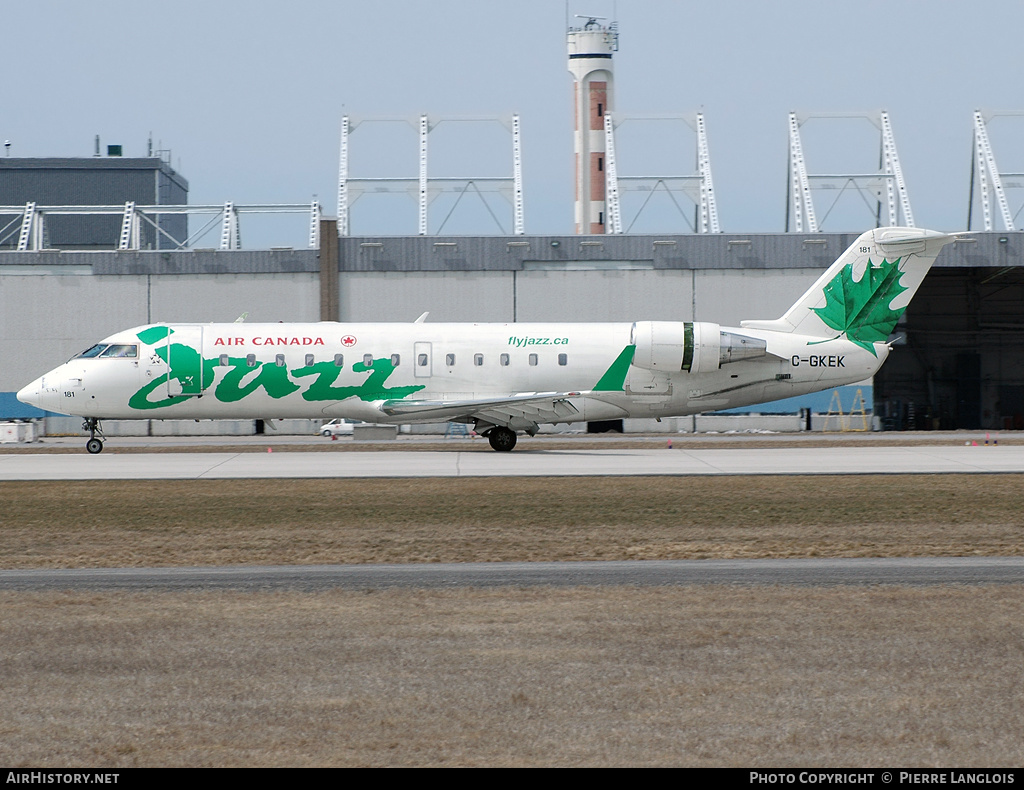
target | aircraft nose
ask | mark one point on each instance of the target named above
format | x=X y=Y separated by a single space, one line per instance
x=32 y=394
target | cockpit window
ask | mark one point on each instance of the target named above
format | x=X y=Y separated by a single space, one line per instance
x=111 y=350
x=121 y=350
x=94 y=351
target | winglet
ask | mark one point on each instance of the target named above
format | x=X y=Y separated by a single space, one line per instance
x=614 y=379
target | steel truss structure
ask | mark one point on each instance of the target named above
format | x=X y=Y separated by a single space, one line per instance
x=427 y=188
x=887 y=186
x=991 y=182
x=698 y=187
x=30 y=220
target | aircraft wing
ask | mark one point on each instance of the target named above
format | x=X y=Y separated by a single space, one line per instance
x=522 y=409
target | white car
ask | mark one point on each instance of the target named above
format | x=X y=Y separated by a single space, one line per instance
x=337 y=427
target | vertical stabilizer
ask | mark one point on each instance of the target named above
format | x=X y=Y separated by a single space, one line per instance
x=863 y=294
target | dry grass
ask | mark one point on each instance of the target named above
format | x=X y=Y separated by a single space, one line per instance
x=163 y=523
x=585 y=677
x=711 y=676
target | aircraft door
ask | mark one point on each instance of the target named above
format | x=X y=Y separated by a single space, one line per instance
x=422 y=354
x=185 y=358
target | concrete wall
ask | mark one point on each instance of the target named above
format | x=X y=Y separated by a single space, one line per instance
x=48 y=317
x=45 y=320
x=224 y=297
x=623 y=295
x=578 y=295
x=727 y=297
x=403 y=296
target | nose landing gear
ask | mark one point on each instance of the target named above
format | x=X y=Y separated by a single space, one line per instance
x=94 y=445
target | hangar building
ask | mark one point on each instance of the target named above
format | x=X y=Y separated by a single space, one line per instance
x=958 y=360
x=67 y=184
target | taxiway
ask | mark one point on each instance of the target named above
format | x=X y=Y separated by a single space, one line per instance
x=111 y=465
x=651 y=573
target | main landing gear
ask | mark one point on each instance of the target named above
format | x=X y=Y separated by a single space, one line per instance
x=94 y=445
x=501 y=439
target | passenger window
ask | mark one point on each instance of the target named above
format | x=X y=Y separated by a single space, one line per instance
x=309 y=360
x=449 y=360
x=478 y=359
x=250 y=360
x=533 y=359
x=339 y=360
x=504 y=360
x=279 y=360
x=396 y=360
x=421 y=360
x=563 y=359
x=224 y=360
x=368 y=360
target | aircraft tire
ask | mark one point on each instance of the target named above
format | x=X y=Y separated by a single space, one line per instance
x=94 y=446
x=501 y=439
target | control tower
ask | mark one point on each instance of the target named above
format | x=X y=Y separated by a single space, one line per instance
x=590 y=63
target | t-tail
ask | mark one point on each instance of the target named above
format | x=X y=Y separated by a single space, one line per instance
x=863 y=294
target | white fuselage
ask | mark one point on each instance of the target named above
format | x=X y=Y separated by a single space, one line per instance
x=356 y=371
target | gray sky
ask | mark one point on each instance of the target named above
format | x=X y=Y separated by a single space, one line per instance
x=248 y=96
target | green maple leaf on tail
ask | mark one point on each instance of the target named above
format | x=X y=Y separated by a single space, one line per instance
x=860 y=309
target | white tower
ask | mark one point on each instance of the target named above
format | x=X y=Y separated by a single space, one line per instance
x=590 y=63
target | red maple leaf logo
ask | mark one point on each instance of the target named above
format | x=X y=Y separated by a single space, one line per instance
x=348 y=341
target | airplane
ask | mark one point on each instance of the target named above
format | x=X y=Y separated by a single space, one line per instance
x=501 y=378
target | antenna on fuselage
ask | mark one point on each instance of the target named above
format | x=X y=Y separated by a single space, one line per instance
x=241 y=318
x=422 y=318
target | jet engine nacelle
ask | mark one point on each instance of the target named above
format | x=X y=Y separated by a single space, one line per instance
x=696 y=347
